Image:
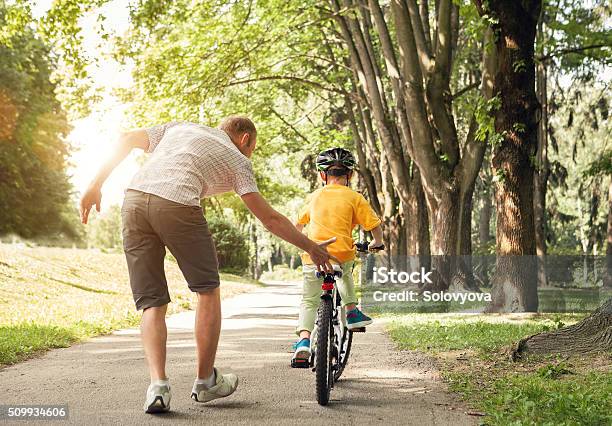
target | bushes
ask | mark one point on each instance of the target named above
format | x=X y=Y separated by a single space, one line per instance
x=231 y=243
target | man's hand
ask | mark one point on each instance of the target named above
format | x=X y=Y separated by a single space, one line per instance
x=91 y=197
x=320 y=257
x=127 y=142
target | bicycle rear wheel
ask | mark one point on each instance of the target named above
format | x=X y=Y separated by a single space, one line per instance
x=323 y=355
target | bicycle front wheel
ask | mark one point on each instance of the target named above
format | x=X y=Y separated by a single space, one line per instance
x=344 y=352
x=323 y=355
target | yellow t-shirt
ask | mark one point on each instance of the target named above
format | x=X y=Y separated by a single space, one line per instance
x=333 y=211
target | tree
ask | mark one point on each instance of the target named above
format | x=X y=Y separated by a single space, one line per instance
x=413 y=115
x=572 y=39
x=34 y=187
x=514 y=24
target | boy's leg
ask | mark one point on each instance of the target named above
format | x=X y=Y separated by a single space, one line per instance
x=346 y=286
x=355 y=319
x=311 y=292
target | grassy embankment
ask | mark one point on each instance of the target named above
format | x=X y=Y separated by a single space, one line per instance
x=472 y=351
x=52 y=297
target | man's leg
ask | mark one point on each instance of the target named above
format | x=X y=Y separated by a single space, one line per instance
x=207 y=330
x=154 y=333
x=188 y=238
x=144 y=252
x=210 y=383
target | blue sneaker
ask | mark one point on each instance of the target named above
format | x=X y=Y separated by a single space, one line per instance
x=357 y=319
x=302 y=349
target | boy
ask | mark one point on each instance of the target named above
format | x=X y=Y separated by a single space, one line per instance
x=333 y=211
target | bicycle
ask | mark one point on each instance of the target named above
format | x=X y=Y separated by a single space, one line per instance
x=331 y=337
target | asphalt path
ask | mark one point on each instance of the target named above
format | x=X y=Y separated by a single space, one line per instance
x=103 y=380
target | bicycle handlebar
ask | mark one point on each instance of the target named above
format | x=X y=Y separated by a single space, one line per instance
x=363 y=247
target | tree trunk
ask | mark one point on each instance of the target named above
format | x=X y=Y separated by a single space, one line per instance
x=444 y=220
x=541 y=175
x=255 y=268
x=608 y=273
x=417 y=226
x=514 y=283
x=592 y=334
x=484 y=220
x=464 y=272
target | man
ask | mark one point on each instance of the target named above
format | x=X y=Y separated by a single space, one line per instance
x=162 y=209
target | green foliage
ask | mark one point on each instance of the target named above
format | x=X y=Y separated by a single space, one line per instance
x=104 y=231
x=61 y=29
x=231 y=244
x=579 y=167
x=34 y=188
x=568 y=28
x=485 y=117
x=266 y=59
x=600 y=167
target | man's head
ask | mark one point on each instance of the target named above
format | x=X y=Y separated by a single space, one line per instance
x=336 y=165
x=242 y=132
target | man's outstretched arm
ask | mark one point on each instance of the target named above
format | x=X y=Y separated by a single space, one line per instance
x=93 y=194
x=282 y=227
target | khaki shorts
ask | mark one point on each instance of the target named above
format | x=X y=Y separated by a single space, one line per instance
x=152 y=223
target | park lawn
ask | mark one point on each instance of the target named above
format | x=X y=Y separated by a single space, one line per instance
x=473 y=354
x=52 y=297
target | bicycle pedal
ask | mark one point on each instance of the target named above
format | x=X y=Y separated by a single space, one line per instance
x=300 y=363
x=359 y=330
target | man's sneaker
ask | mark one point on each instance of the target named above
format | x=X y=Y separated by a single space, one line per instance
x=357 y=319
x=225 y=385
x=158 y=398
x=301 y=356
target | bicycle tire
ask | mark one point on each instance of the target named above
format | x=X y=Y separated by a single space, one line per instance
x=344 y=356
x=323 y=361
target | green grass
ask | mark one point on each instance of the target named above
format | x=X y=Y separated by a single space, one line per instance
x=439 y=333
x=52 y=297
x=530 y=398
x=536 y=391
x=20 y=341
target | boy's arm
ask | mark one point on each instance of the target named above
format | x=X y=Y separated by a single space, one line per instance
x=299 y=226
x=369 y=221
x=377 y=237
